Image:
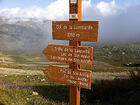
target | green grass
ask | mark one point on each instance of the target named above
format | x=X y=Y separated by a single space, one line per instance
x=18 y=90
x=2 y=55
x=19 y=58
x=117 y=54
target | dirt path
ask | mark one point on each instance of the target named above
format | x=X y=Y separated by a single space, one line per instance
x=96 y=75
x=9 y=71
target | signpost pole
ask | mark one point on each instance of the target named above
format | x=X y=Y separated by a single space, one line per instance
x=75 y=8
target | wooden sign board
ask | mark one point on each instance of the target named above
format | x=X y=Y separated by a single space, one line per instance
x=69 y=54
x=64 y=75
x=73 y=1
x=75 y=30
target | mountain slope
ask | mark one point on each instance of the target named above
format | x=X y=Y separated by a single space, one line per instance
x=24 y=36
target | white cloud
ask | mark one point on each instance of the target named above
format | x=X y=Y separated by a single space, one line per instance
x=9 y=12
x=107 y=8
x=19 y=12
x=58 y=10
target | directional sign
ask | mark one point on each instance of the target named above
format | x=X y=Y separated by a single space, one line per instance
x=75 y=30
x=64 y=75
x=69 y=54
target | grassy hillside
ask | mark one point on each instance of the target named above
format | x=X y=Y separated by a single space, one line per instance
x=117 y=54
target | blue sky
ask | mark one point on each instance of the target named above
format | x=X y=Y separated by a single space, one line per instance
x=24 y=3
x=45 y=3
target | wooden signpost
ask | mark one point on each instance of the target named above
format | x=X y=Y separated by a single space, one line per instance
x=69 y=54
x=65 y=75
x=75 y=31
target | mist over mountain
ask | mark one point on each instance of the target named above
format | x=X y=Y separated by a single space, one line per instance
x=21 y=36
x=117 y=24
x=124 y=27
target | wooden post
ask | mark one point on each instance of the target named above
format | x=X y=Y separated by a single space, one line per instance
x=75 y=9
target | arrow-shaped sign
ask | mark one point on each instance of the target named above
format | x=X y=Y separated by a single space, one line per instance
x=69 y=54
x=64 y=75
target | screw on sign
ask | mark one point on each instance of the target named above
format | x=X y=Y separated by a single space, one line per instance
x=75 y=31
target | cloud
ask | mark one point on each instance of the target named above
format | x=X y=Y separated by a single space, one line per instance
x=58 y=10
x=9 y=12
x=122 y=27
x=106 y=8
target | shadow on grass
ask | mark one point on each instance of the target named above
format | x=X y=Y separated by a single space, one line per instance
x=115 y=92
x=1 y=104
x=104 y=92
x=54 y=92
